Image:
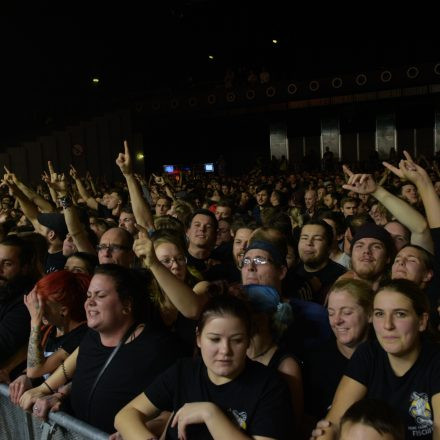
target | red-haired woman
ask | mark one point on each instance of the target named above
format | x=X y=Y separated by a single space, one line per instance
x=58 y=299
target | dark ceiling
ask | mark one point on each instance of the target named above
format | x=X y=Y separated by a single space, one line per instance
x=48 y=61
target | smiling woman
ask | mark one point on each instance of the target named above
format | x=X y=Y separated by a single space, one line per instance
x=401 y=367
x=219 y=395
x=350 y=304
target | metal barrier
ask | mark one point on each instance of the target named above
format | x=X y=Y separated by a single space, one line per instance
x=16 y=424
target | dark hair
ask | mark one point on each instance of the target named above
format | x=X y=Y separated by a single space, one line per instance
x=240 y=223
x=273 y=217
x=264 y=187
x=132 y=286
x=345 y=200
x=164 y=197
x=127 y=209
x=427 y=258
x=227 y=203
x=337 y=217
x=328 y=230
x=206 y=212
x=66 y=288
x=27 y=252
x=224 y=304
x=121 y=194
x=377 y=414
x=90 y=260
x=412 y=291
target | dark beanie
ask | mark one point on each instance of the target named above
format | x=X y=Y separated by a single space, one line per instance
x=277 y=256
x=371 y=230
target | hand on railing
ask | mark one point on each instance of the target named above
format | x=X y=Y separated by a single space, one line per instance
x=43 y=405
x=18 y=387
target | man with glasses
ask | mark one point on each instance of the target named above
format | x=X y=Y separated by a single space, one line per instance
x=115 y=247
x=263 y=263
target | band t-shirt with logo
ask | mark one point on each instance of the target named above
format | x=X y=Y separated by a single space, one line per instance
x=257 y=401
x=410 y=395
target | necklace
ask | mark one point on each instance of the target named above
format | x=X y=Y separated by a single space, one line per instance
x=263 y=352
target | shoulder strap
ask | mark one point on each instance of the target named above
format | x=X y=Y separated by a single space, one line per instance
x=107 y=362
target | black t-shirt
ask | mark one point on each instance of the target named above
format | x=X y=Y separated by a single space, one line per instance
x=433 y=289
x=410 y=395
x=54 y=262
x=104 y=212
x=133 y=368
x=197 y=263
x=68 y=342
x=257 y=400
x=322 y=280
x=323 y=369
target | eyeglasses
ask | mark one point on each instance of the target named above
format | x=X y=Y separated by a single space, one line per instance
x=111 y=247
x=257 y=261
x=168 y=262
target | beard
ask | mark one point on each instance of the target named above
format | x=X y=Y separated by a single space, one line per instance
x=14 y=287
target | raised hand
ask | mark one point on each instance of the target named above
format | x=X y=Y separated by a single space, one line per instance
x=359 y=183
x=73 y=173
x=143 y=247
x=159 y=180
x=35 y=305
x=123 y=161
x=10 y=177
x=409 y=170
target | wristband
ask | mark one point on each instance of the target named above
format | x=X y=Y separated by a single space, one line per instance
x=66 y=201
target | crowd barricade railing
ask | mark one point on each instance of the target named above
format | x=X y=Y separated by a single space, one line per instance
x=16 y=424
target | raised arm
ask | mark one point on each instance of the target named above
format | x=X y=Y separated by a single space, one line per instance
x=180 y=294
x=141 y=210
x=90 y=201
x=409 y=170
x=74 y=226
x=89 y=179
x=37 y=364
x=29 y=208
x=33 y=196
x=402 y=211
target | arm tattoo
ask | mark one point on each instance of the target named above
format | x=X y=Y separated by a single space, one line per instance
x=35 y=355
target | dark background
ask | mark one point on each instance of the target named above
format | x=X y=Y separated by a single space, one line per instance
x=49 y=60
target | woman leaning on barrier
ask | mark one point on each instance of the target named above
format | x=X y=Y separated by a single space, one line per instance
x=119 y=356
x=58 y=298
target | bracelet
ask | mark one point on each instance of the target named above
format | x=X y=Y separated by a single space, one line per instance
x=64 y=372
x=66 y=201
x=49 y=387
